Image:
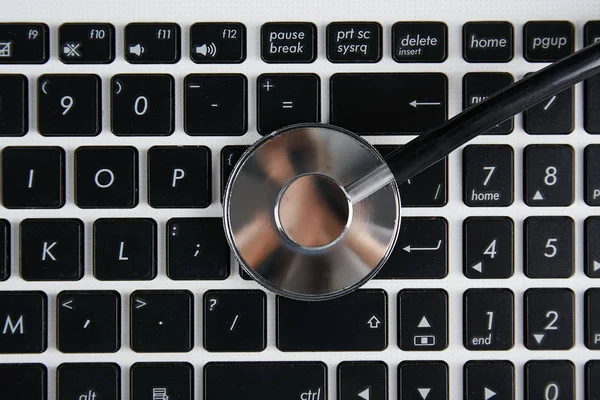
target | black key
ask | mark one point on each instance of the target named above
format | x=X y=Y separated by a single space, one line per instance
x=592 y=379
x=287 y=99
x=162 y=321
x=106 y=177
x=86 y=43
x=549 y=319
x=488 y=175
x=235 y=320
x=423 y=380
x=162 y=381
x=4 y=250
x=362 y=379
x=549 y=247
x=152 y=43
x=124 y=249
x=179 y=177
x=230 y=155
x=24 y=43
x=553 y=116
x=89 y=381
x=288 y=42
x=549 y=175
x=363 y=312
x=33 y=177
x=24 y=381
x=592 y=175
x=592 y=319
x=422 y=319
x=24 y=322
x=354 y=42
x=265 y=380
x=478 y=86
x=486 y=379
x=489 y=41
x=216 y=104
x=488 y=319
x=419 y=42
x=429 y=188
x=88 y=321
x=14 y=105
x=592 y=251
x=547 y=41
x=488 y=251
x=51 y=249
x=591 y=87
x=369 y=104
x=421 y=251
x=142 y=105
x=69 y=105
x=550 y=380
x=197 y=249
x=218 y=42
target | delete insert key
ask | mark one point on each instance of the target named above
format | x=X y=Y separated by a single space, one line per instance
x=419 y=42
x=289 y=42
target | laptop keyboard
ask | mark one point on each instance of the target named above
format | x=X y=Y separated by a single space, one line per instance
x=116 y=280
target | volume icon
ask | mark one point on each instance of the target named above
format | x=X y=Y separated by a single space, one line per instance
x=209 y=50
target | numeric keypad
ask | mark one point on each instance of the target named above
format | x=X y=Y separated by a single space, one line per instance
x=549 y=175
x=549 y=319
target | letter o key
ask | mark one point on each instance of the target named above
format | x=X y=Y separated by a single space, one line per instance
x=110 y=181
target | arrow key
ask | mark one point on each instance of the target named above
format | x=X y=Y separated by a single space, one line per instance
x=423 y=380
x=423 y=319
x=362 y=380
x=488 y=247
x=485 y=380
x=549 y=319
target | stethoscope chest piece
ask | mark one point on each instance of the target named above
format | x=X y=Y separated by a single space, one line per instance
x=291 y=223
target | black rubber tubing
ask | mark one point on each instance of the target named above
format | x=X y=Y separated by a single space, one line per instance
x=430 y=147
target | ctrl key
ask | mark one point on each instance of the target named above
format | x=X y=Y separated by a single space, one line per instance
x=265 y=380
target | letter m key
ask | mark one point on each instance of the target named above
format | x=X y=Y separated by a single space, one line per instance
x=13 y=327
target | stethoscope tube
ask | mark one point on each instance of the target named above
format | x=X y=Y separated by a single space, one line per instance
x=430 y=147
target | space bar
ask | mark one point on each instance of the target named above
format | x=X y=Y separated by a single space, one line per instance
x=265 y=380
x=388 y=103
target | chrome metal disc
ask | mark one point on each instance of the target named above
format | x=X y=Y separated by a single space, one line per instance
x=290 y=223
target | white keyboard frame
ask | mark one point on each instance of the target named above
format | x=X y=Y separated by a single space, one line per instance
x=253 y=14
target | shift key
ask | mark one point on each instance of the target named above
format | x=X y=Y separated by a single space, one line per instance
x=355 y=322
x=389 y=103
x=265 y=381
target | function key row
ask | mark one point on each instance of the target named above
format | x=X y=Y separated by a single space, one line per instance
x=162 y=321
x=217 y=104
x=288 y=42
x=196 y=249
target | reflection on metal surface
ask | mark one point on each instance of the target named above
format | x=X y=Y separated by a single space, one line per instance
x=290 y=223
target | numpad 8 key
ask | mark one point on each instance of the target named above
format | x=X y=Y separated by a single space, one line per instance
x=119 y=129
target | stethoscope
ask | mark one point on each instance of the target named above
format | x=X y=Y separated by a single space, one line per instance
x=312 y=211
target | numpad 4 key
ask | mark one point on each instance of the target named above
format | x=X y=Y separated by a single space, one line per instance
x=119 y=127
